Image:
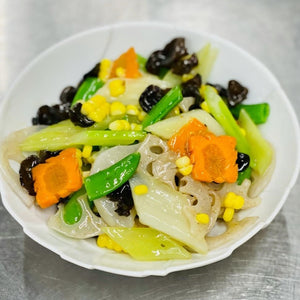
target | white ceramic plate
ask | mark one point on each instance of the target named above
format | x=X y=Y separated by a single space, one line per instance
x=42 y=81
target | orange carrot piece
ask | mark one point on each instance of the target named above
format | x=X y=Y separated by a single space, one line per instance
x=127 y=61
x=179 y=141
x=57 y=178
x=214 y=158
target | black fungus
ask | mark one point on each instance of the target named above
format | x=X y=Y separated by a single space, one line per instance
x=78 y=118
x=194 y=106
x=190 y=88
x=49 y=115
x=150 y=96
x=123 y=197
x=166 y=57
x=63 y=200
x=236 y=93
x=86 y=166
x=67 y=95
x=243 y=161
x=185 y=65
x=25 y=174
x=45 y=154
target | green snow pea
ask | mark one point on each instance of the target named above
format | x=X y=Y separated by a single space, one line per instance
x=163 y=106
x=246 y=174
x=259 y=113
x=87 y=89
x=72 y=210
x=105 y=181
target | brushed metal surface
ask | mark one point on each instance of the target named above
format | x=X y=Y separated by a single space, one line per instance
x=267 y=266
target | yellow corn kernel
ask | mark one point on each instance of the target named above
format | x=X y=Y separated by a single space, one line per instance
x=233 y=200
x=176 y=110
x=116 y=125
x=116 y=87
x=105 y=108
x=87 y=151
x=229 y=200
x=238 y=202
x=119 y=125
x=141 y=116
x=126 y=125
x=104 y=241
x=117 y=108
x=186 y=170
x=120 y=72
x=228 y=214
x=140 y=189
x=98 y=100
x=87 y=107
x=78 y=156
x=135 y=126
x=202 y=218
x=97 y=115
x=132 y=110
x=90 y=159
x=105 y=67
x=186 y=77
x=182 y=162
x=205 y=107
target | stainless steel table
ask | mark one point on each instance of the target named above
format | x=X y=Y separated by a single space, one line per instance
x=267 y=266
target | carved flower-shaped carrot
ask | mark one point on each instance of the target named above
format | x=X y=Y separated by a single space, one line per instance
x=179 y=141
x=57 y=178
x=214 y=158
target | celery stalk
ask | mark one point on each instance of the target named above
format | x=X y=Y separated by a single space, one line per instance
x=206 y=59
x=52 y=141
x=146 y=243
x=223 y=115
x=261 y=152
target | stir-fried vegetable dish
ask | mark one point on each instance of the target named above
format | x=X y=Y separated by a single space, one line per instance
x=146 y=156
